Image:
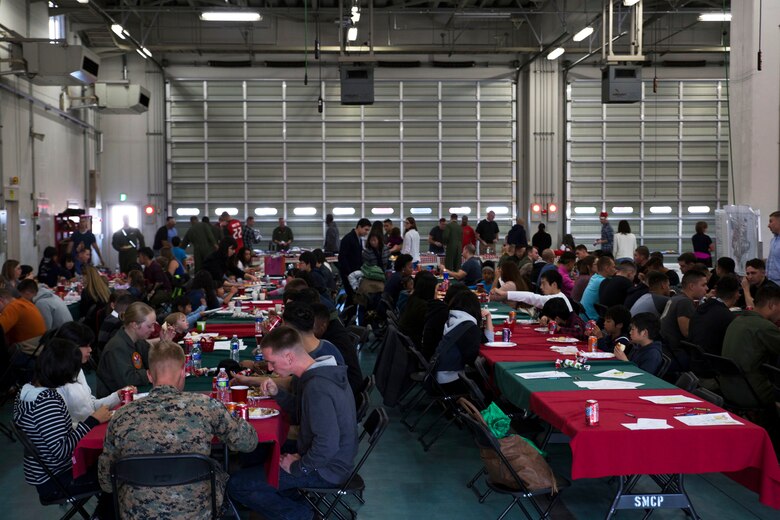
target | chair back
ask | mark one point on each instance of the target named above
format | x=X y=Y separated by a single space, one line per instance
x=164 y=470
x=475 y=393
x=737 y=385
x=368 y=384
x=362 y=405
x=31 y=451
x=666 y=362
x=709 y=396
x=601 y=309
x=687 y=381
x=373 y=428
x=696 y=355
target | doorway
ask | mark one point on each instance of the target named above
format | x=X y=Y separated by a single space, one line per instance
x=116 y=215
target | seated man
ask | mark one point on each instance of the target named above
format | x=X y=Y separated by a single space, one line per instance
x=655 y=299
x=470 y=271
x=21 y=320
x=550 y=287
x=327 y=442
x=754 y=279
x=711 y=319
x=605 y=268
x=645 y=348
x=676 y=317
x=170 y=421
x=613 y=291
x=403 y=267
x=53 y=309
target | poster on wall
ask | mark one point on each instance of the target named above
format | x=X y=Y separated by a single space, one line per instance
x=738 y=234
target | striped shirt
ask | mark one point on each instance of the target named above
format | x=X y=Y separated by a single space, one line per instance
x=45 y=419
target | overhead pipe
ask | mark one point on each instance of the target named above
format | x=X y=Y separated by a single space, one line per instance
x=48 y=108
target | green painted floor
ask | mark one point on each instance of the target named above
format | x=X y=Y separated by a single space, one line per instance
x=404 y=482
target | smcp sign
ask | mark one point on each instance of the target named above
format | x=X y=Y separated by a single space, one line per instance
x=653 y=501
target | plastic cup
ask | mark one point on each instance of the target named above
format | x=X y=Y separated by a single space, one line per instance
x=201 y=325
x=261 y=296
x=238 y=394
x=278 y=308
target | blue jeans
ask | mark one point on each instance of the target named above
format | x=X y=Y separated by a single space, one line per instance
x=249 y=487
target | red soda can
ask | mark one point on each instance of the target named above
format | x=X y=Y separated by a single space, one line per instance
x=242 y=411
x=592 y=340
x=188 y=343
x=506 y=334
x=558 y=364
x=214 y=385
x=126 y=395
x=275 y=322
x=188 y=363
x=553 y=327
x=591 y=412
x=512 y=315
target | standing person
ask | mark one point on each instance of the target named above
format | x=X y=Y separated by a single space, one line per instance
x=170 y=421
x=282 y=236
x=202 y=240
x=234 y=230
x=375 y=252
x=469 y=235
x=332 y=242
x=436 y=238
x=164 y=235
x=83 y=238
x=216 y=229
x=453 y=239
x=607 y=234
x=487 y=233
x=127 y=241
x=702 y=244
x=625 y=242
x=351 y=253
x=517 y=235
x=250 y=235
x=773 y=260
x=541 y=239
x=411 y=244
x=327 y=442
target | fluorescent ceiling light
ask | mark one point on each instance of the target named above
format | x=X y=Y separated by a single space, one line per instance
x=556 y=53
x=498 y=210
x=83 y=1
x=146 y=51
x=622 y=209
x=118 y=30
x=715 y=17
x=421 y=211
x=188 y=212
x=141 y=54
x=463 y=210
x=230 y=16
x=344 y=211
x=305 y=211
x=352 y=34
x=660 y=210
x=698 y=209
x=265 y=212
x=230 y=211
x=585 y=210
x=382 y=211
x=584 y=33
x=629 y=3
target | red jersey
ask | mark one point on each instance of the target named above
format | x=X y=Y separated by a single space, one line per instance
x=235 y=231
x=468 y=236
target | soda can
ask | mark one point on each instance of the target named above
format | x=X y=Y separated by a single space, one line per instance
x=586 y=368
x=242 y=411
x=558 y=364
x=214 y=385
x=231 y=408
x=188 y=363
x=506 y=334
x=591 y=412
x=126 y=395
x=188 y=344
x=553 y=327
x=512 y=315
x=592 y=344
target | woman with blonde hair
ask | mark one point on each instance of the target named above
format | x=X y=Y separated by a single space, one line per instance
x=95 y=293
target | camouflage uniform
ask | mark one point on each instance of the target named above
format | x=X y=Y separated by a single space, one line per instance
x=170 y=421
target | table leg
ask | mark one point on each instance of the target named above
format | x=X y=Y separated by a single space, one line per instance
x=672 y=495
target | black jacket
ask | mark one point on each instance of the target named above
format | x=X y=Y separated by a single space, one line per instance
x=708 y=325
x=350 y=255
x=218 y=266
x=337 y=334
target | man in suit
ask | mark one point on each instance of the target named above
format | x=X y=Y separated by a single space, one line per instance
x=351 y=253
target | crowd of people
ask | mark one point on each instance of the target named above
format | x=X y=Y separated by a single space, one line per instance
x=640 y=310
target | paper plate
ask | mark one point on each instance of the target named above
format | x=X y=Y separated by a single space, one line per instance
x=562 y=339
x=263 y=413
x=597 y=355
x=542 y=329
x=500 y=344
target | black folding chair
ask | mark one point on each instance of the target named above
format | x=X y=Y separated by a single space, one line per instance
x=76 y=502
x=709 y=396
x=699 y=365
x=362 y=406
x=664 y=368
x=326 y=501
x=486 y=440
x=687 y=381
x=164 y=470
x=368 y=385
x=734 y=386
x=475 y=393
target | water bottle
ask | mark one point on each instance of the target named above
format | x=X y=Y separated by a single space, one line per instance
x=446 y=283
x=258 y=353
x=223 y=389
x=196 y=355
x=238 y=306
x=258 y=325
x=234 y=345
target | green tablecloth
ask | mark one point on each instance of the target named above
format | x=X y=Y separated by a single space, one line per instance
x=518 y=390
x=503 y=309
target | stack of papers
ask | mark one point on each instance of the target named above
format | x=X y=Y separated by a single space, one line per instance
x=669 y=399
x=709 y=419
x=618 y=374
x=225 y=345
x=648 y=424
x=607 y=385
x=550 y=374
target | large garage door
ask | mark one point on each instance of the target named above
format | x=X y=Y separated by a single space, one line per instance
x=661 y=164
x=260 y=147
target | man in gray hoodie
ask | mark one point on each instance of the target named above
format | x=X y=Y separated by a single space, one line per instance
x=53 y=309
x=328 y=438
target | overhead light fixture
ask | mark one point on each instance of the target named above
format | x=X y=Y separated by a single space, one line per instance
x=352 y=34
x=230 y=16
x=556 y=53
x=118 y=30
x=146 y=51
x=715 y=17
x=584 y=33
x=83 y=1
x=629 y=3
x=355 y=14
x=141 y=53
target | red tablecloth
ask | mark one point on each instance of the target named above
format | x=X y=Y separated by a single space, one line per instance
x=272 y=430
x=744 y=453
x=531 y=346
x=242 y=330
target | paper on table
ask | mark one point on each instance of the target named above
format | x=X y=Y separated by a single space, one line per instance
x=709 y=419
x=618 y=374
x=607 y=385
x=648 y=424
x=669 y=399
x=225 y=345
x=550 y=374
x=566 y=351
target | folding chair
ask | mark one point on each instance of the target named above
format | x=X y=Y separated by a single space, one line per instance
x=475 y=393
x=368 y=385
x=325 y=501
x=687 y=381
x=699 y=365
x=709 y=396
x=664 y=368
x=736 y=385
x=363 y=402
x=164 y=470
x=76 y=502
x=486 y=440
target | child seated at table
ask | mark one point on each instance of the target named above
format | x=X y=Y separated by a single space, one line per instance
x=617 y=321
x=178 y=322
x=569 y=322
x=646 y=349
